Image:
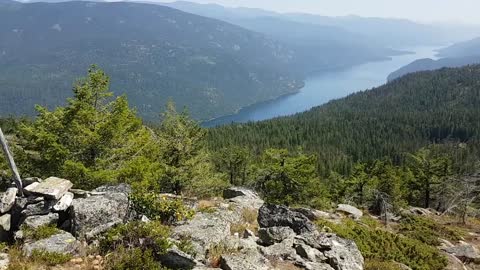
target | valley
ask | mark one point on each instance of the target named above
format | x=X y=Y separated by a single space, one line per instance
x=321 y=88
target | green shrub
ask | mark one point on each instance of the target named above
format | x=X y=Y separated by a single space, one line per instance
x=381 y=265
x=426 y=230
x=157 y=207
x=42 y=232
x=185 y=245
x=132 y=259
x=380 y=245
x=152 y=235
x=50 y=258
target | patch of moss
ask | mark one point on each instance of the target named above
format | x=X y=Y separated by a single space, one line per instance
x=42 y=232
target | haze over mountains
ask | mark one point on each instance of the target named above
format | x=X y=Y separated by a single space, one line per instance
x=456 y=55
x=214 y=66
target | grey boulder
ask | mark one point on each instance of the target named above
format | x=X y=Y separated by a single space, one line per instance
x=8 y=200
x=96 y=214
x=350 y=210
x=270 y=215
x=38 y=221
x=62 y=242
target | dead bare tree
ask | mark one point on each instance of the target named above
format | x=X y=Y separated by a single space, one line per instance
x=467 y=191
x=11 y=162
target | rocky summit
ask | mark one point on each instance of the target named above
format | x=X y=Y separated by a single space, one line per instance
x=237 y=232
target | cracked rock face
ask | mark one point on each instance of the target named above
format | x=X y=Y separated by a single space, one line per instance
x=96 y=214
x=309 y=249
x=285 y=237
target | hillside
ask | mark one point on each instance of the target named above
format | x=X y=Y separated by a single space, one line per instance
x=153 y=53
x=320 y=47
x=430 y=64
x=399 y=117
x=462 y=49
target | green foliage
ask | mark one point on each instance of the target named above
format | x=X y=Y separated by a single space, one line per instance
x=186 y=245
x=90 y=139
x=187 y=163
x=427 y=231
x=288 y=179
x=381 y=265
x=381 y=245
x=233 y=161
x=151 y=235
x=132 y=259
x=429 y=169
x=160 y=208
x=50 y=258
x=42 y=232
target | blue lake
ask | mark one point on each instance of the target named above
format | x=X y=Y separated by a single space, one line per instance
x=319 y=89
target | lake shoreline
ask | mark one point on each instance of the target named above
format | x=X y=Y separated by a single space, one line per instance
x=323 y=87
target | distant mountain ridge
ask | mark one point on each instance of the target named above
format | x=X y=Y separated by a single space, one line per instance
x=456 y=55
x=321 y=47
x=378 y=32
x=430 y=64
x=152 y=53
x=462 y=49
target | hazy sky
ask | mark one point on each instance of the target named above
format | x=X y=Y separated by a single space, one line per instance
x=459 y=11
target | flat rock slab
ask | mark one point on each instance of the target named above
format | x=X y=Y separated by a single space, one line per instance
x=8 y=200
x=63 y=243
x=53 y=188
x=351 y=210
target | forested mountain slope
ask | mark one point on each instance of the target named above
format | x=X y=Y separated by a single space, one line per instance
x=152 y=52
x=430 y=64
x=399 y=117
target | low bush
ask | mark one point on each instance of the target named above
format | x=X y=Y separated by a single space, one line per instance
x=158 y=207
x=381 y=265
x=132 y=259
x=50 y=258
x=383 y=246
x=426 y=230
x=42 y=232
x=152 y=235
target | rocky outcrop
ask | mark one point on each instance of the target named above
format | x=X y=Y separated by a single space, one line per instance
x=309 y=248
x=97 y=213
x=465 y=252
x=271 y=215
x=285 y=236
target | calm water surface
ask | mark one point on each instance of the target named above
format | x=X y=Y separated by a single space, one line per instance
x=320 y=89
